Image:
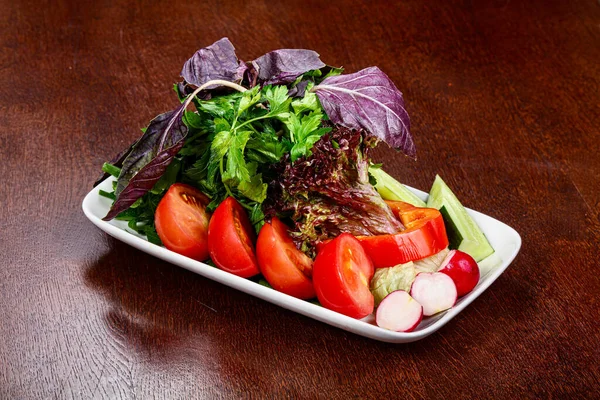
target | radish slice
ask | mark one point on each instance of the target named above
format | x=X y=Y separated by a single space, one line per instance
x=435 y=291
x=399 y=312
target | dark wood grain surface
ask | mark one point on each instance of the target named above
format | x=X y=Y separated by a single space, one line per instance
x=504 y=98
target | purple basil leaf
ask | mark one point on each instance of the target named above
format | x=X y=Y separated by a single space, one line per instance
x=368 y=100
x=250 y=77
x=149 y=159
x=217 y=61
x=299 y=90
x=242 y=70
x=284 y=66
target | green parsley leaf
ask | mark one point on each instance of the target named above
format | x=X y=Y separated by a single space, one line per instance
x=254 y=189
x=304 y=133
x=218 y=149
x=279 y=101
x=236 y=170
x=257 y=217
x=249 y=98
x=221 y=106
x=333 y=72
x=309 y=102
x=221 y=124
x=265 y=149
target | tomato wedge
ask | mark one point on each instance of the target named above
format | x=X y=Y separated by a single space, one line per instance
x=286 y=268
x=342 y=273
x=425 y=235
x=181 y=221
x=231 y=239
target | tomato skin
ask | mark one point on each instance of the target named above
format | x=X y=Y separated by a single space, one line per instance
x=230 y=239
x=181 y=221
x=425 y=235
x=286 y=268
x=342 y=273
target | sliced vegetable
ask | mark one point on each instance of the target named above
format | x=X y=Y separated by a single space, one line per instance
x=425 y=236
x=410 y=215
x=341 y=275
x=435 y=291
x=463 y=270
x=286 y=268
x=391 y=189
x=230 y=239
x=463 y=232
x=399 y=312
x=181 y=221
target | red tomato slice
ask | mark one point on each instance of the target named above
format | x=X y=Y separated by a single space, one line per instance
x=230 y=239
x=181 y=221
x=342 y=273
x=425 y=236
x=286 y=268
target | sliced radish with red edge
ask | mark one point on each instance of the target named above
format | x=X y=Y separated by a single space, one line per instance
x=435 y=291
x=399 y=312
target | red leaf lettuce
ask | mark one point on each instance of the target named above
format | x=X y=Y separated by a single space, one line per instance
x=329 y=192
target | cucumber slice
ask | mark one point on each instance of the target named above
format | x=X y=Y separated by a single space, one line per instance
x=463 y=232
x=391 y=189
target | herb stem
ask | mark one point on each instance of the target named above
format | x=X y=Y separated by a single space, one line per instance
x=224 y=184
x=220 y=82
x=254 y=120
x=254 y=129
x=246 y=206
x=111 y=169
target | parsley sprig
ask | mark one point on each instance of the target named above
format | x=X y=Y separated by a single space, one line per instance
x=232 y=141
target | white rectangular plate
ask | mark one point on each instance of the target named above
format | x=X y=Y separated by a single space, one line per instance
x=504 y=239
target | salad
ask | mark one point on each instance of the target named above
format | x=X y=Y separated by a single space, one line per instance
x=263 y=170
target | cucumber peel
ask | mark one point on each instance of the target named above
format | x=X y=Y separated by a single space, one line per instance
x=463 y=232
x=390 y=189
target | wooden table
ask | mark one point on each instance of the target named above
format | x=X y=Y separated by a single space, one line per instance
x=504 y=101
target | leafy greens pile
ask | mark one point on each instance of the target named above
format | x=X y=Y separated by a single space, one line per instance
x=285 y=135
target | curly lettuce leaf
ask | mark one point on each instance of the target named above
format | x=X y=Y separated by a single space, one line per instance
x=328 y=192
